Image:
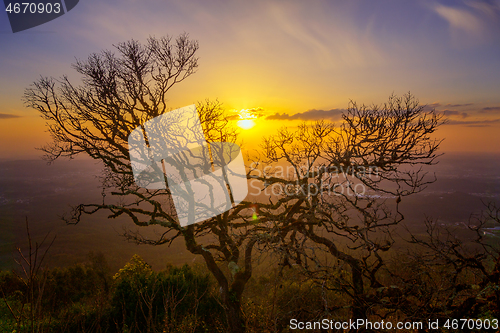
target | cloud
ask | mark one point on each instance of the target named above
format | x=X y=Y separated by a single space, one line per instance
x=492 y=109
x=254 y=113
x=474 y=22
x=257 y=112
x=8 y=116
x=435 y=105
x=333 y=114
x=432 y=106
x=328 y=38
x=460 y=19
x=455 y=113
x=458 y=105
x=489 y=9
x=473 y=123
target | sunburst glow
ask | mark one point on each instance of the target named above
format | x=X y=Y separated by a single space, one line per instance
x=246 y=123
x=247 y=117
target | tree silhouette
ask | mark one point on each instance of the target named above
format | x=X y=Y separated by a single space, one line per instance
x=341 y=190
x=375 y=148
x=453 y=274
x=118 y=94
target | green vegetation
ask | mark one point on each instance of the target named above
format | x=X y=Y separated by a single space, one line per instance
x=86 y=298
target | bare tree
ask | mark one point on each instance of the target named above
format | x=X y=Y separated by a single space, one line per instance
x=338 y=190
x=119 y=93
x=33 y=278
x=376 y=148
x=453 y=272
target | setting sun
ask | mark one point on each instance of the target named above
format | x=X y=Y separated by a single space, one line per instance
x=247 y=117
x=246 y=123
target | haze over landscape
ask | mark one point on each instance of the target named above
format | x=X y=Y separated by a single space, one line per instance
x=282 y=63
x=43 y=193
x=271 y=64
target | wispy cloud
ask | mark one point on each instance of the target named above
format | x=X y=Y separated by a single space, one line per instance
x=333 y=114
x=488 y=8
x=331 y=40
x=458 y=105
x=471 y=21
x=473 y=123
x=431 y=106
x=257 y=112
x=8 y=116
x=437 y=105
x=491 y=109
x=455 y=113
x=460 y=19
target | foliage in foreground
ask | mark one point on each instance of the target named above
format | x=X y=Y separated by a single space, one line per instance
x=81 y=298
x=88 y=298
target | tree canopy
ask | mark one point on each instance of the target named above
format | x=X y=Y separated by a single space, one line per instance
x=341 y=181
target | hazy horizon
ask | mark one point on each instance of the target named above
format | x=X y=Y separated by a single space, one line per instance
x=43 y=193
x=274 y=64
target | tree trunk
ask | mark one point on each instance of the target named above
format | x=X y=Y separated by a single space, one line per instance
x=358 y=305
x=235 y=321
x=231 y=297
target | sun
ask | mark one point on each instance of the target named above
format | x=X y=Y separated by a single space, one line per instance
x=246 y=123
x=247 y=117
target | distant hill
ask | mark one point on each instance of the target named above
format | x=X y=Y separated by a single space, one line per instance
x=42 y=193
